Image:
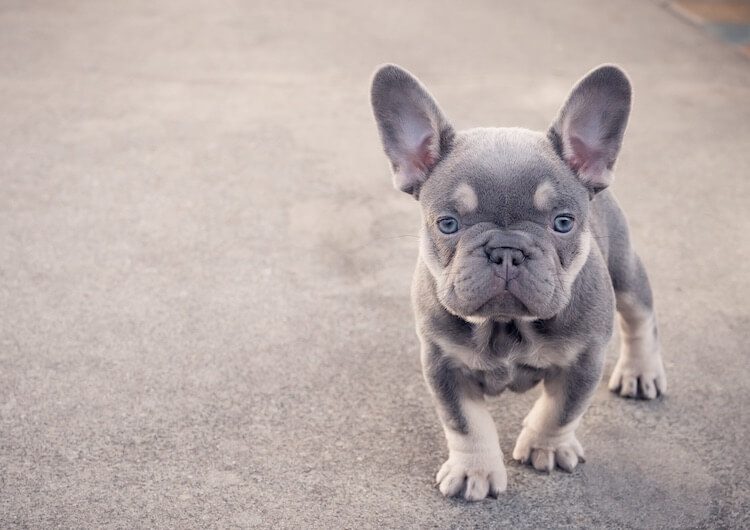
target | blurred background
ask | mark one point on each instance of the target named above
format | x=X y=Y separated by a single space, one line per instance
x=204 y=269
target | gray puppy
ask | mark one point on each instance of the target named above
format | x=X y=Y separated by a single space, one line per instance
x=524 y=255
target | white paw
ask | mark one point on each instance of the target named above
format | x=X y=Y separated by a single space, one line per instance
x=544 y=451
x=474 y=476
x=640 y=376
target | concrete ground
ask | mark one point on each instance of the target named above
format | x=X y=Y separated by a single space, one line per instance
x=204 y=270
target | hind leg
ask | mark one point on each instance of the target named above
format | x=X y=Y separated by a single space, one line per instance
x=639 y=371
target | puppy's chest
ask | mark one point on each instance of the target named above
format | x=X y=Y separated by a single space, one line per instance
x=512 y=355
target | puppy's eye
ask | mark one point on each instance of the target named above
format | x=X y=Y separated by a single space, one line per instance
x=448 y=225
x=563 y=224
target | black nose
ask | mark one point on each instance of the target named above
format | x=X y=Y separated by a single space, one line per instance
x=508 y=256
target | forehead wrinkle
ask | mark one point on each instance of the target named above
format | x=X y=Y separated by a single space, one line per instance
x=465 y=198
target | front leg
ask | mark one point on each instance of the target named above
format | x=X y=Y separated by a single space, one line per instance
x=475 y=466
x=548 y=434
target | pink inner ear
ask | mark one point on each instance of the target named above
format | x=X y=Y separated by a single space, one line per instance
x=415 y=163
x=424 y=155
x=580 y=155
x=588 y=163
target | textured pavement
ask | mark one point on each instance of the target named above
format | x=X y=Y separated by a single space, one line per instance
x=204 y=270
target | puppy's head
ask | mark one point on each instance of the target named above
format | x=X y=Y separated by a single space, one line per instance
x=506 y=211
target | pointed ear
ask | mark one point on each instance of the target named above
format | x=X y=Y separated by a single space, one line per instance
x=589 y=129
x=414 y=132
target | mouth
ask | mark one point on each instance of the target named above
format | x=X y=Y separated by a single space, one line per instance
x=504 y=306
x=482 y=293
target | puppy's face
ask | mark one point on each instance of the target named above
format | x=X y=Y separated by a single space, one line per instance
x=505 y=211
x=505 y=226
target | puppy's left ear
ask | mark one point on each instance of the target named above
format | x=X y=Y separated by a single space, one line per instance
x=589 y=129
x=413 y=129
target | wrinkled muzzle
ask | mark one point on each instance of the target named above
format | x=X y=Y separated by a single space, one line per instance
x=504 y=274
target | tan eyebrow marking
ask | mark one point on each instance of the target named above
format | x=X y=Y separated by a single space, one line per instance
x=466 y=198
x=543 y=195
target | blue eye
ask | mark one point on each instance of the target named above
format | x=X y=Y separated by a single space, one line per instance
x=563 y=224
x=448 y=225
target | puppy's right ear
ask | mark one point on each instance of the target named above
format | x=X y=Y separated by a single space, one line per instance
x=414 y=132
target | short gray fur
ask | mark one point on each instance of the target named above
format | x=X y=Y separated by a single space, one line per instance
x=562 y=293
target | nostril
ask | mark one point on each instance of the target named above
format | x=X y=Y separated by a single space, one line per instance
x=496 y=255
x=514 y=256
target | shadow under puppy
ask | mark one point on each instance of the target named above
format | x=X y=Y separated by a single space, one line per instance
x=524 y=255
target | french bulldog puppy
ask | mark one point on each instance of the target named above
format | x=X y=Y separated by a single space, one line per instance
x=524 y=256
